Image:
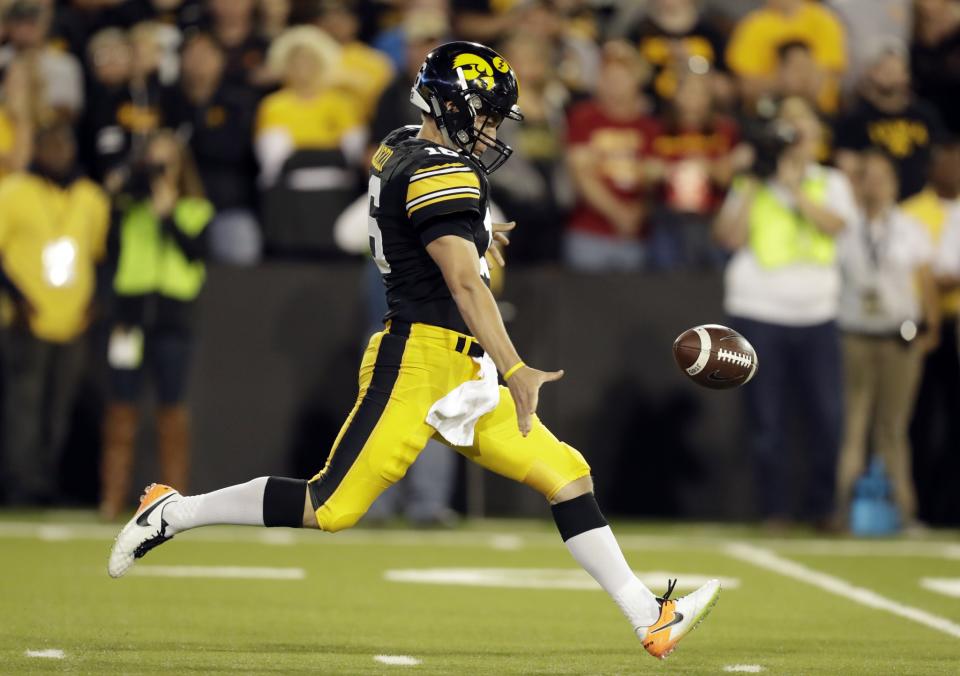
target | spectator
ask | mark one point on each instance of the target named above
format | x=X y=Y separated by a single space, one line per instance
x=362 y=71
x=935 y=57
x=534 y=187
x=232 y=24
x=390 y=27
x=214 y=117
x=869 y=22
x=889 y=117
x=309 y=137
x=483 y=21
x=53 y=226
x=675 y=38
x=781 y=290
x=16 y=120
x=797 y=74
x=307 y=112
x=699 y=153
x=57 y=74
x=421 y=33
x=608 y=137
x=890 y=318
x=935 y=430
x=798 y=77
x=572 y=39
x=127 y=99
x=159 y=245
x=752 y=52
x=274 y=17
x=109 y=118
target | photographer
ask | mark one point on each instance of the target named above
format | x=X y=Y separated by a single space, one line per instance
x=890 y=318
x=159 y=246
x=781 y=292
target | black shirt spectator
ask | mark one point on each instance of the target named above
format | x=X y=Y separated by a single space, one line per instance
x=231 y=22
x=123 y=108
x=888 y=116
x=674 y=38
x=906 y=136
x=217 y=118
x=935 y=60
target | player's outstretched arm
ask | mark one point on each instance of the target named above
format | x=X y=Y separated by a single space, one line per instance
x=458 y=261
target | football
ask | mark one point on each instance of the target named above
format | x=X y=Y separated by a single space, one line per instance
x=715 y=356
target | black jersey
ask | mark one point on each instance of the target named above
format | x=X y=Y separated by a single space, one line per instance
x=420 y=191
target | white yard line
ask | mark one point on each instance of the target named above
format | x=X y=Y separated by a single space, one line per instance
x=768 y=560
x=227 y=572
x=539 y=578
x=500 y=539
x=948 y=586
x=397 y=660
x=744 y=668
x=48 y=653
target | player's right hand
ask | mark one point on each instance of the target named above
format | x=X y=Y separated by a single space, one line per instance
x=525 y=388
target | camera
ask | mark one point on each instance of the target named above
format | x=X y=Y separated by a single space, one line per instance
x=769 y=142
x=140 y=178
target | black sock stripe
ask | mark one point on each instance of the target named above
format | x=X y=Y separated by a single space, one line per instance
x=386 y=370
x=577 y=516
x=283 y=502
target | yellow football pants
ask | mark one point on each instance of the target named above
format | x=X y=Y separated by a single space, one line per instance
x=405 y=370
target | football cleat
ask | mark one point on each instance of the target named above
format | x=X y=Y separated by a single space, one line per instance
x=144 y=531
x=678 y=618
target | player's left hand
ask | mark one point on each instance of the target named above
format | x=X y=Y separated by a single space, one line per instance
x=500 y=241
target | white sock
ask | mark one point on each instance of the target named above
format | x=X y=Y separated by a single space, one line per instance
x=599 y=554
x=240 y=505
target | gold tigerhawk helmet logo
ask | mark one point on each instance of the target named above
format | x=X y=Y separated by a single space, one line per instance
x=475 y=68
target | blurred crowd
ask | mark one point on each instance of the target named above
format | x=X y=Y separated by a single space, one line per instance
x=807 y=148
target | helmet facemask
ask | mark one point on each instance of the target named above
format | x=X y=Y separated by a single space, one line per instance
x=457 y=119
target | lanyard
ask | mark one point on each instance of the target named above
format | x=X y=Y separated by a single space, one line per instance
x=876 y=240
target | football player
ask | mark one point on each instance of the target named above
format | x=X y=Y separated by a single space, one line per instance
x=432 y=372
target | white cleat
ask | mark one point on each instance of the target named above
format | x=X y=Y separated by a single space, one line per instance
x=678 y=618
x=144 y=531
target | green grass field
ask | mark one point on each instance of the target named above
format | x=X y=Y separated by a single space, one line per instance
x=333 y=603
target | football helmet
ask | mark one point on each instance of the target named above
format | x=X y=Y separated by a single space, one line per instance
x=460 y=81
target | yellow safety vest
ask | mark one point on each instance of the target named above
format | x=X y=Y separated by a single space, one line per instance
x=151 y=262
x=780 y=236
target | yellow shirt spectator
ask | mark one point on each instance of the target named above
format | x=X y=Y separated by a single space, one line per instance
x=752 y=51
x=365 y=73
x=931 y=210
x=319 y=122
x=50 y=239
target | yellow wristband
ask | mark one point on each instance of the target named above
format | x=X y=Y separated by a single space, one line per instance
x=513 y=369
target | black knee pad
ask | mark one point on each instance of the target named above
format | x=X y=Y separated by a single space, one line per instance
x=283 y=502
x=577 y=516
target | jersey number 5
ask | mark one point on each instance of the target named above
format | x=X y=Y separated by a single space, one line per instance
x=373 y=228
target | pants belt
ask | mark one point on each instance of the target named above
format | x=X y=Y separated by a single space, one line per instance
x=463 y=344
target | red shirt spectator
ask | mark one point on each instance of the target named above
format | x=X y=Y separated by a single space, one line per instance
x=608 y=137
x=695 y=146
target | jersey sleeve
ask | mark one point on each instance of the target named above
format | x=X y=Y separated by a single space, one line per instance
x=442 y=189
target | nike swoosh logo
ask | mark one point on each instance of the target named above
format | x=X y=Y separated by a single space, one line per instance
x=143 y=519
x=715 y=377
x=677 y=618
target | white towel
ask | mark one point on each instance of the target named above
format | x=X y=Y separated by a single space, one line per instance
x=455 y=415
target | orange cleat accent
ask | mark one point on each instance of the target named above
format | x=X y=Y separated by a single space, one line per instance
x=151 y=493
x=678 y=618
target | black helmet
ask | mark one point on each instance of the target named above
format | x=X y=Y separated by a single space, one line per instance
x=457 y=82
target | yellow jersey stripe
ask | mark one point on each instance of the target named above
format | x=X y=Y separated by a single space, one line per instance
x=439 y=166
x=459 y=196
x=443 y=182
x=439 y=172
